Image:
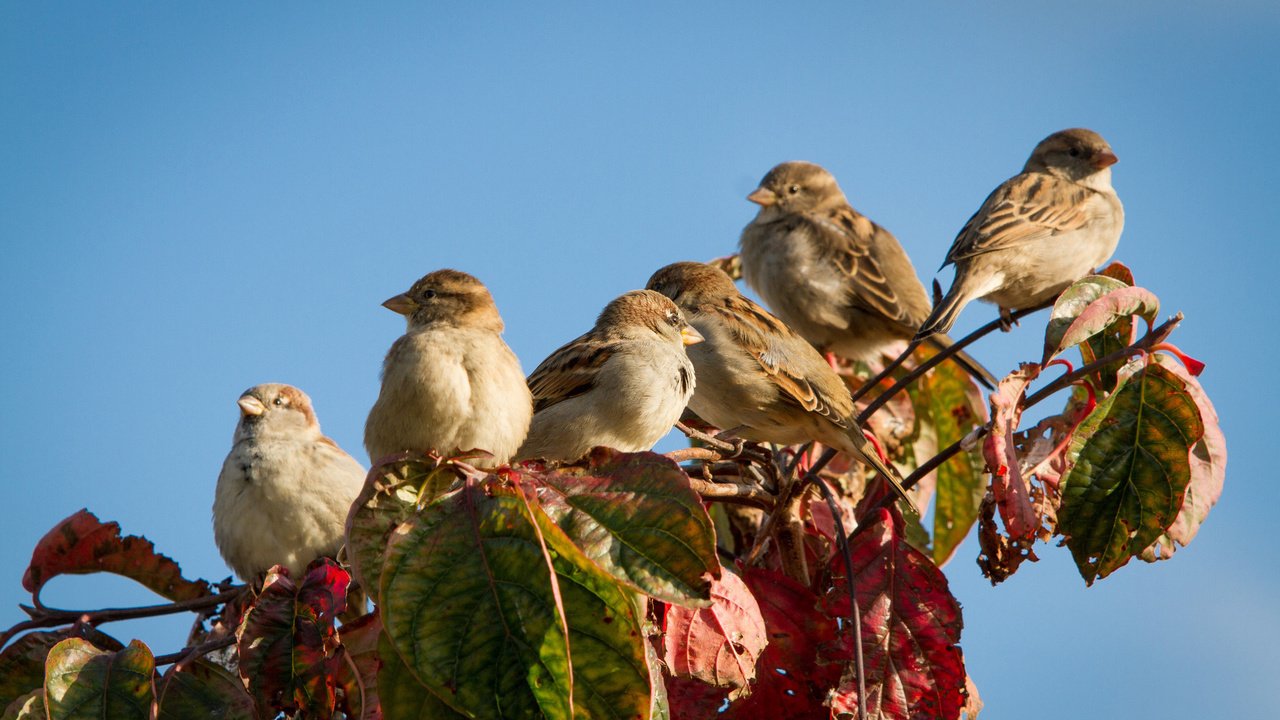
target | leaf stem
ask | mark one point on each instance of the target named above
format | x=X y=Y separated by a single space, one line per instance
x=843 y=545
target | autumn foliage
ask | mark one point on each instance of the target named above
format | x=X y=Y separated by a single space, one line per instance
x=722 y=580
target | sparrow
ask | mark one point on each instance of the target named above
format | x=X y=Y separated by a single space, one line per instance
x=1038 y=232
x=757 y=378
x=837 y=278
x=623 y=384
x=285 y=488
x=449 y=384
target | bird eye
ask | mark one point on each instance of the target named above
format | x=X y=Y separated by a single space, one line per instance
x=673 y=319
x=428 y=293
x=794 y=189
x=1074 y=152
x=278 y=402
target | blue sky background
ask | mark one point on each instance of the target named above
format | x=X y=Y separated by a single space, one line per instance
x=196 y=199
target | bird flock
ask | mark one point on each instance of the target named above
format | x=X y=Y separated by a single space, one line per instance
x=836 y=283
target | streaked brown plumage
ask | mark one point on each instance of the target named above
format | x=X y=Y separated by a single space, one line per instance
x=1037 y=232
x=757 y=379
x=838 y=279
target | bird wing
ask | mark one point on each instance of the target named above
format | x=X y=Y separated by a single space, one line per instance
x=1024 y=209
x=851 y=242
x=570 y=371
x=775 y=347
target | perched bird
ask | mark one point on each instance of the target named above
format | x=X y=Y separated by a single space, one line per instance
x=837 y=278
x=623 y=385
x=757 y=379
x=449 y=384
x=1037 y=233
x=285 y=488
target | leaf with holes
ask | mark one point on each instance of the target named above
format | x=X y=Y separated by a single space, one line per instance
x=471 y=607
x=202 y=690
x=1208 y=471
x=910 y=627
x=948 y=404
x=636 y=516
x=717 y=645
x=83 y=544
x=791 y=682
x=287 y=642
x=83 y=682
x=1131 y=470
x=392 y=493
x=22 y=663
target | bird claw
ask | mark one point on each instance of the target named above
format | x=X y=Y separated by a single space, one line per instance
x=1007 y=322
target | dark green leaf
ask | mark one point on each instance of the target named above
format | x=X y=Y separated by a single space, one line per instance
x=393 y=491
x=469 y=605
x=636 y=516
x=22 y=662
x=401 y=695
x=1130 y=471
x=202 y=691
x=26 y=707
x=83 y=682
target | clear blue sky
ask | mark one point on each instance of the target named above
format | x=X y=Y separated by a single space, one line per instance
x=196 y=199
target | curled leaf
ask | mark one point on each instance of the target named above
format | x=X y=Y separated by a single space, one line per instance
x=1011 y=489
x=83 y=544
x=22 y=663
x=1091 y=306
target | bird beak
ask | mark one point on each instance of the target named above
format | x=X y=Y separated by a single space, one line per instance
x=690 y=336
x=764 y=197
x=401 y=304
x=1105 y=159
x=250 y=405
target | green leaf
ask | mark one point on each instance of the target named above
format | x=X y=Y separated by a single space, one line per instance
x=1130 y=471
x=1093 y=305
x=393 y=492
x=948 y=404
x=401 y=695
x=26 y=707
x=469 y=605
x=202 y=690
x=636 y=516
x=82 y=681
x=22 y=662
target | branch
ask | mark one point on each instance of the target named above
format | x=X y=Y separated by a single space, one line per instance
x=843 y=545
x=196 y=651
x=1152 y=338
x=51 y=617
x=734 y=493
x=932 y=362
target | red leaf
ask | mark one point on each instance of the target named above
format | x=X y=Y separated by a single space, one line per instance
x=1012 y=490
x=1118 y=271
x=910 y=627
x=287 y=643
x=358 y=674
x=791 y=682
x=718 y=645
x=82 y=544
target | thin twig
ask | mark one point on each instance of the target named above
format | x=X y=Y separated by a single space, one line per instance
x=195 y=651
x=733 y=493
x=52 y=617
x=1152 y=338
x=937 y=359
x=843 y=545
